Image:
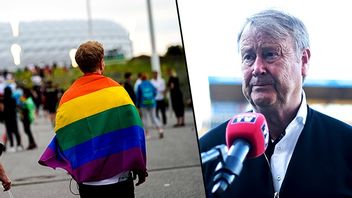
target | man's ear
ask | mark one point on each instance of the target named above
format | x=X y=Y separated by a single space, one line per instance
x=102 y=65
x=305 y=62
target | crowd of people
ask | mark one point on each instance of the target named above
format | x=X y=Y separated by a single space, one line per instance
x=140 y=103
x=151 y=95
x=20 y=102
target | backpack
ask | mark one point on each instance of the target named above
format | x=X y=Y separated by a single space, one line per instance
x=147 y=94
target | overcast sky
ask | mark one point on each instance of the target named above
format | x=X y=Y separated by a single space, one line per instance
x=131 y=14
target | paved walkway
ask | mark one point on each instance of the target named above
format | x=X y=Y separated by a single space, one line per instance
x=173 y=164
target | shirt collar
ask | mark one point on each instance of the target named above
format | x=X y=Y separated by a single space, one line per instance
x=302 y=111
x=301 y=115
x=300 y=118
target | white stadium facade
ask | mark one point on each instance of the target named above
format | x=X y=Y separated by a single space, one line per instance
x=49 y=42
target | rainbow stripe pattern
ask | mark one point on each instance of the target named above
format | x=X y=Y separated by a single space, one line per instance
x=98 y=132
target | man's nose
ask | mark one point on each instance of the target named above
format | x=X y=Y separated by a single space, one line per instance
x=259 y=67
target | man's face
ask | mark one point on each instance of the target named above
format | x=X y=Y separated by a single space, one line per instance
x=271 y=70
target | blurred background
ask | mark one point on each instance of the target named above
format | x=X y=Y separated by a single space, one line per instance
x=39 y=37
x=38 y=41
x=213 y=61
x=131 y=16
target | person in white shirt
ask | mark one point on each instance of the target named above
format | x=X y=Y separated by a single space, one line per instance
x=159 y=83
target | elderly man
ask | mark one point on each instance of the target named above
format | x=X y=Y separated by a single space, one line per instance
x=309 y=153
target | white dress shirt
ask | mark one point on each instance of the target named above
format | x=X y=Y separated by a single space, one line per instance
x=284 y=148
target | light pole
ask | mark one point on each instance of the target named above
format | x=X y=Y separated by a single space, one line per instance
x=155 y=58
x=89 y=15
x=15 y=48
x=15 y=24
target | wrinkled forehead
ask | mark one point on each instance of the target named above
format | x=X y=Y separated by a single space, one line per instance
x=254 y=36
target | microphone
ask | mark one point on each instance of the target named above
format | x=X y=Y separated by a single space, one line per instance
x=247 y=136
x=216 y=152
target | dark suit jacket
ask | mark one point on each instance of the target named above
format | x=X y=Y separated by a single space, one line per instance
x=321 y=164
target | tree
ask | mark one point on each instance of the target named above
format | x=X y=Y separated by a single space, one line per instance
x=174 y=50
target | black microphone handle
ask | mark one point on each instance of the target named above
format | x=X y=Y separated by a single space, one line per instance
x=217 y=152
x=225 y=174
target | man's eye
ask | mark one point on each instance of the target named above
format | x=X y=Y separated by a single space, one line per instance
x=248 y=58
x=271 y=55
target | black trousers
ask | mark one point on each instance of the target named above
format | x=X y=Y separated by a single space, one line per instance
x=124 y=189
x=28 y=131
x=161 y=106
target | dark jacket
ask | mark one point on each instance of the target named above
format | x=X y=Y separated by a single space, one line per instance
x=128 y=87
x=320 y=166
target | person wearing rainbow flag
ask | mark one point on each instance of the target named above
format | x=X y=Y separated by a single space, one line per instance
x=4 y=179
x=99 y=137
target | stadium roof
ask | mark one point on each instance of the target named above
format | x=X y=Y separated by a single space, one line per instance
x=49 y=42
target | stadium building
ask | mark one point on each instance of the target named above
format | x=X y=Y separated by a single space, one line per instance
x=48 y=42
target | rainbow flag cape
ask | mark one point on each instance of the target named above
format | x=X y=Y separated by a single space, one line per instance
x=98 y=132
